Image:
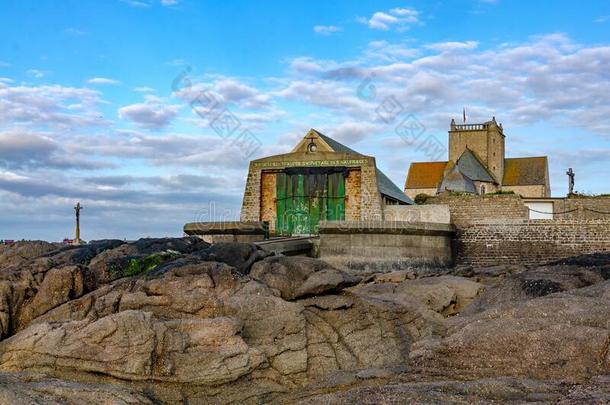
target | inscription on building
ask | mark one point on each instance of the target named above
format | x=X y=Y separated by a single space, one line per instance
x=309 y=163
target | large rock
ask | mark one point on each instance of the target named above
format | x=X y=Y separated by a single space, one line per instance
x=206 y=324
x=297 y=277
x=445 y=295
x=177 y=321
x=559 y=336
x=18 y=252
x=538 y=283
x=23 y=388
x=134 y=345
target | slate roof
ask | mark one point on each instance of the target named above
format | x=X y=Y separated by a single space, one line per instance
x=425 y=174
x=525 y=171
x=336 y=146
x=472 y=166
x=455 y=180
x=386 y=186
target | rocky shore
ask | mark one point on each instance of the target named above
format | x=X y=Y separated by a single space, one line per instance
x=181 y=321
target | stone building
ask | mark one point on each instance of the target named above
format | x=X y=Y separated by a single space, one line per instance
x=320 y=179
x=477 y=165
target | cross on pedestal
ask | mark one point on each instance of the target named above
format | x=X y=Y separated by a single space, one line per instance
x=571 y=176
x=77 y=208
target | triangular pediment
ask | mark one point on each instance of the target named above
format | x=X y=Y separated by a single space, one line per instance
x=313 y=136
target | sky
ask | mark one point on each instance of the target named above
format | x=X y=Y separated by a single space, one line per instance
x=148 y=111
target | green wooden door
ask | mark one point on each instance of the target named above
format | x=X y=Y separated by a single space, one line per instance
x=305 y=199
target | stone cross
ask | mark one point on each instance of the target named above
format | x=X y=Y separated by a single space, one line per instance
x=77 y=208
x=571 y=176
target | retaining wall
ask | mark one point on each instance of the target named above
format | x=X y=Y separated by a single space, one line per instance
x=531 y=241
x=373 y=246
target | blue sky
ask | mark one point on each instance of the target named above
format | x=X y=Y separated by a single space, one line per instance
x=88 y=112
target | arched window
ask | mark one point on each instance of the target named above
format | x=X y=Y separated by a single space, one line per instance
x=482 y=189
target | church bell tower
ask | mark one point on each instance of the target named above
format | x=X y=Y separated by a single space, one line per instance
x=485 y=140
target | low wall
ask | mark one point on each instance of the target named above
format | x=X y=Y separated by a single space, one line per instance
x=471 y=209
x=531 y=241
x=435 y=213
x=228 y=231
x=374 y=246
x=582 y=208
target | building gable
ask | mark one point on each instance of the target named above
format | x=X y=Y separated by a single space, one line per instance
x=471 y=166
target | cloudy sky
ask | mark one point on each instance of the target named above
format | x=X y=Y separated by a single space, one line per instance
x=148 y=111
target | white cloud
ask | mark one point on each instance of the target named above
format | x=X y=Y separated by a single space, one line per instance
x=177 y=62
x=453 y=46
x=153 y=114
x=602 y=19
x=144 y=89
x=396 y=18
x=36 y=73
x=4 y=64
x=50 y=106
x=137 y=3
x=382 y=51
x=326 y=29
x=169 y=2
x=103 y=80
x=75 y=32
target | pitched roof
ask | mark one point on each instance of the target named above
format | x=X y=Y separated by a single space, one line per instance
x=455 y=180
x=336 y=146
x=385 y=185
x=425 y=174
x=472 y=166
x=525 y=171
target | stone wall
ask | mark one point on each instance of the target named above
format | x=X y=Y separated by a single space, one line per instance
x=417 y=213
x=528 y=191
x=531 y=241
x=582 y=208
x=472 y=209
x=413 y=192
x=269 y=198
x=378 y=246
x=251 y=205
x=353 y=195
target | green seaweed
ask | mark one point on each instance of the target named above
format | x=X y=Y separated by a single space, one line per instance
x=141 y=265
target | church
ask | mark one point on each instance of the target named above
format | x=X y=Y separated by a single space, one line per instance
x=477 y=165
x=319 y=180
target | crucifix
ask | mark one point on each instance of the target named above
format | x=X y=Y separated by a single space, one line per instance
x=77 y=208
x=571 y=176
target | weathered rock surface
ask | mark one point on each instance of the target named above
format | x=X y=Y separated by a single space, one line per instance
x=178 y=320
x=35 y=389
x=559 y=336
x=221 y=319
x=538 y=282
x=446 y=295
x=297 y=277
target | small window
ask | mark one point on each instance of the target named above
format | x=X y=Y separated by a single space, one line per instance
x=483 y=188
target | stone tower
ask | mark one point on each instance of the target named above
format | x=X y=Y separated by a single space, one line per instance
x=486 y=140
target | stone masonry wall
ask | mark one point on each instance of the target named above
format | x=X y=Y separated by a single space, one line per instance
x=352 y=194
x=531 y=241
x=472 y=209
x=582 y=208
x=371 y=207
x=250 y=209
